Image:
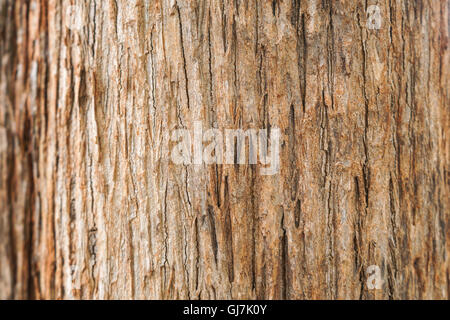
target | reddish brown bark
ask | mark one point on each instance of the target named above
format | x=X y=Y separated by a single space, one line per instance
x=91 y=208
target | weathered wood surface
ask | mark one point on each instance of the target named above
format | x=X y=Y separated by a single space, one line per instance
x=90 y=209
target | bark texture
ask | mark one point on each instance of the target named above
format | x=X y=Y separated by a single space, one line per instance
x=91 y=208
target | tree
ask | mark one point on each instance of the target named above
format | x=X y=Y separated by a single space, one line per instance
x=91 y=93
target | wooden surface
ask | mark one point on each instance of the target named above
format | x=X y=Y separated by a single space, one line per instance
x=90 y=206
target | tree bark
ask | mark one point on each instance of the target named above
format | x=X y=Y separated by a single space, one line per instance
x=91 y=207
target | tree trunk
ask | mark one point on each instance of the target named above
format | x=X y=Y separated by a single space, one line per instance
x=93 y=206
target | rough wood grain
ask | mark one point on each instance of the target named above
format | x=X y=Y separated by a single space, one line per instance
x=91 y=208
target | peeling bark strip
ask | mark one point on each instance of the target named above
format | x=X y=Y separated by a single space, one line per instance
x=90 y=94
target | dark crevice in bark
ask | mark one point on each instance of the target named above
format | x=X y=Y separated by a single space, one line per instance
x=183 y=55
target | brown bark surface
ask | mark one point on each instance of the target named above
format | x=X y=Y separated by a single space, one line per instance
x=90 y=207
